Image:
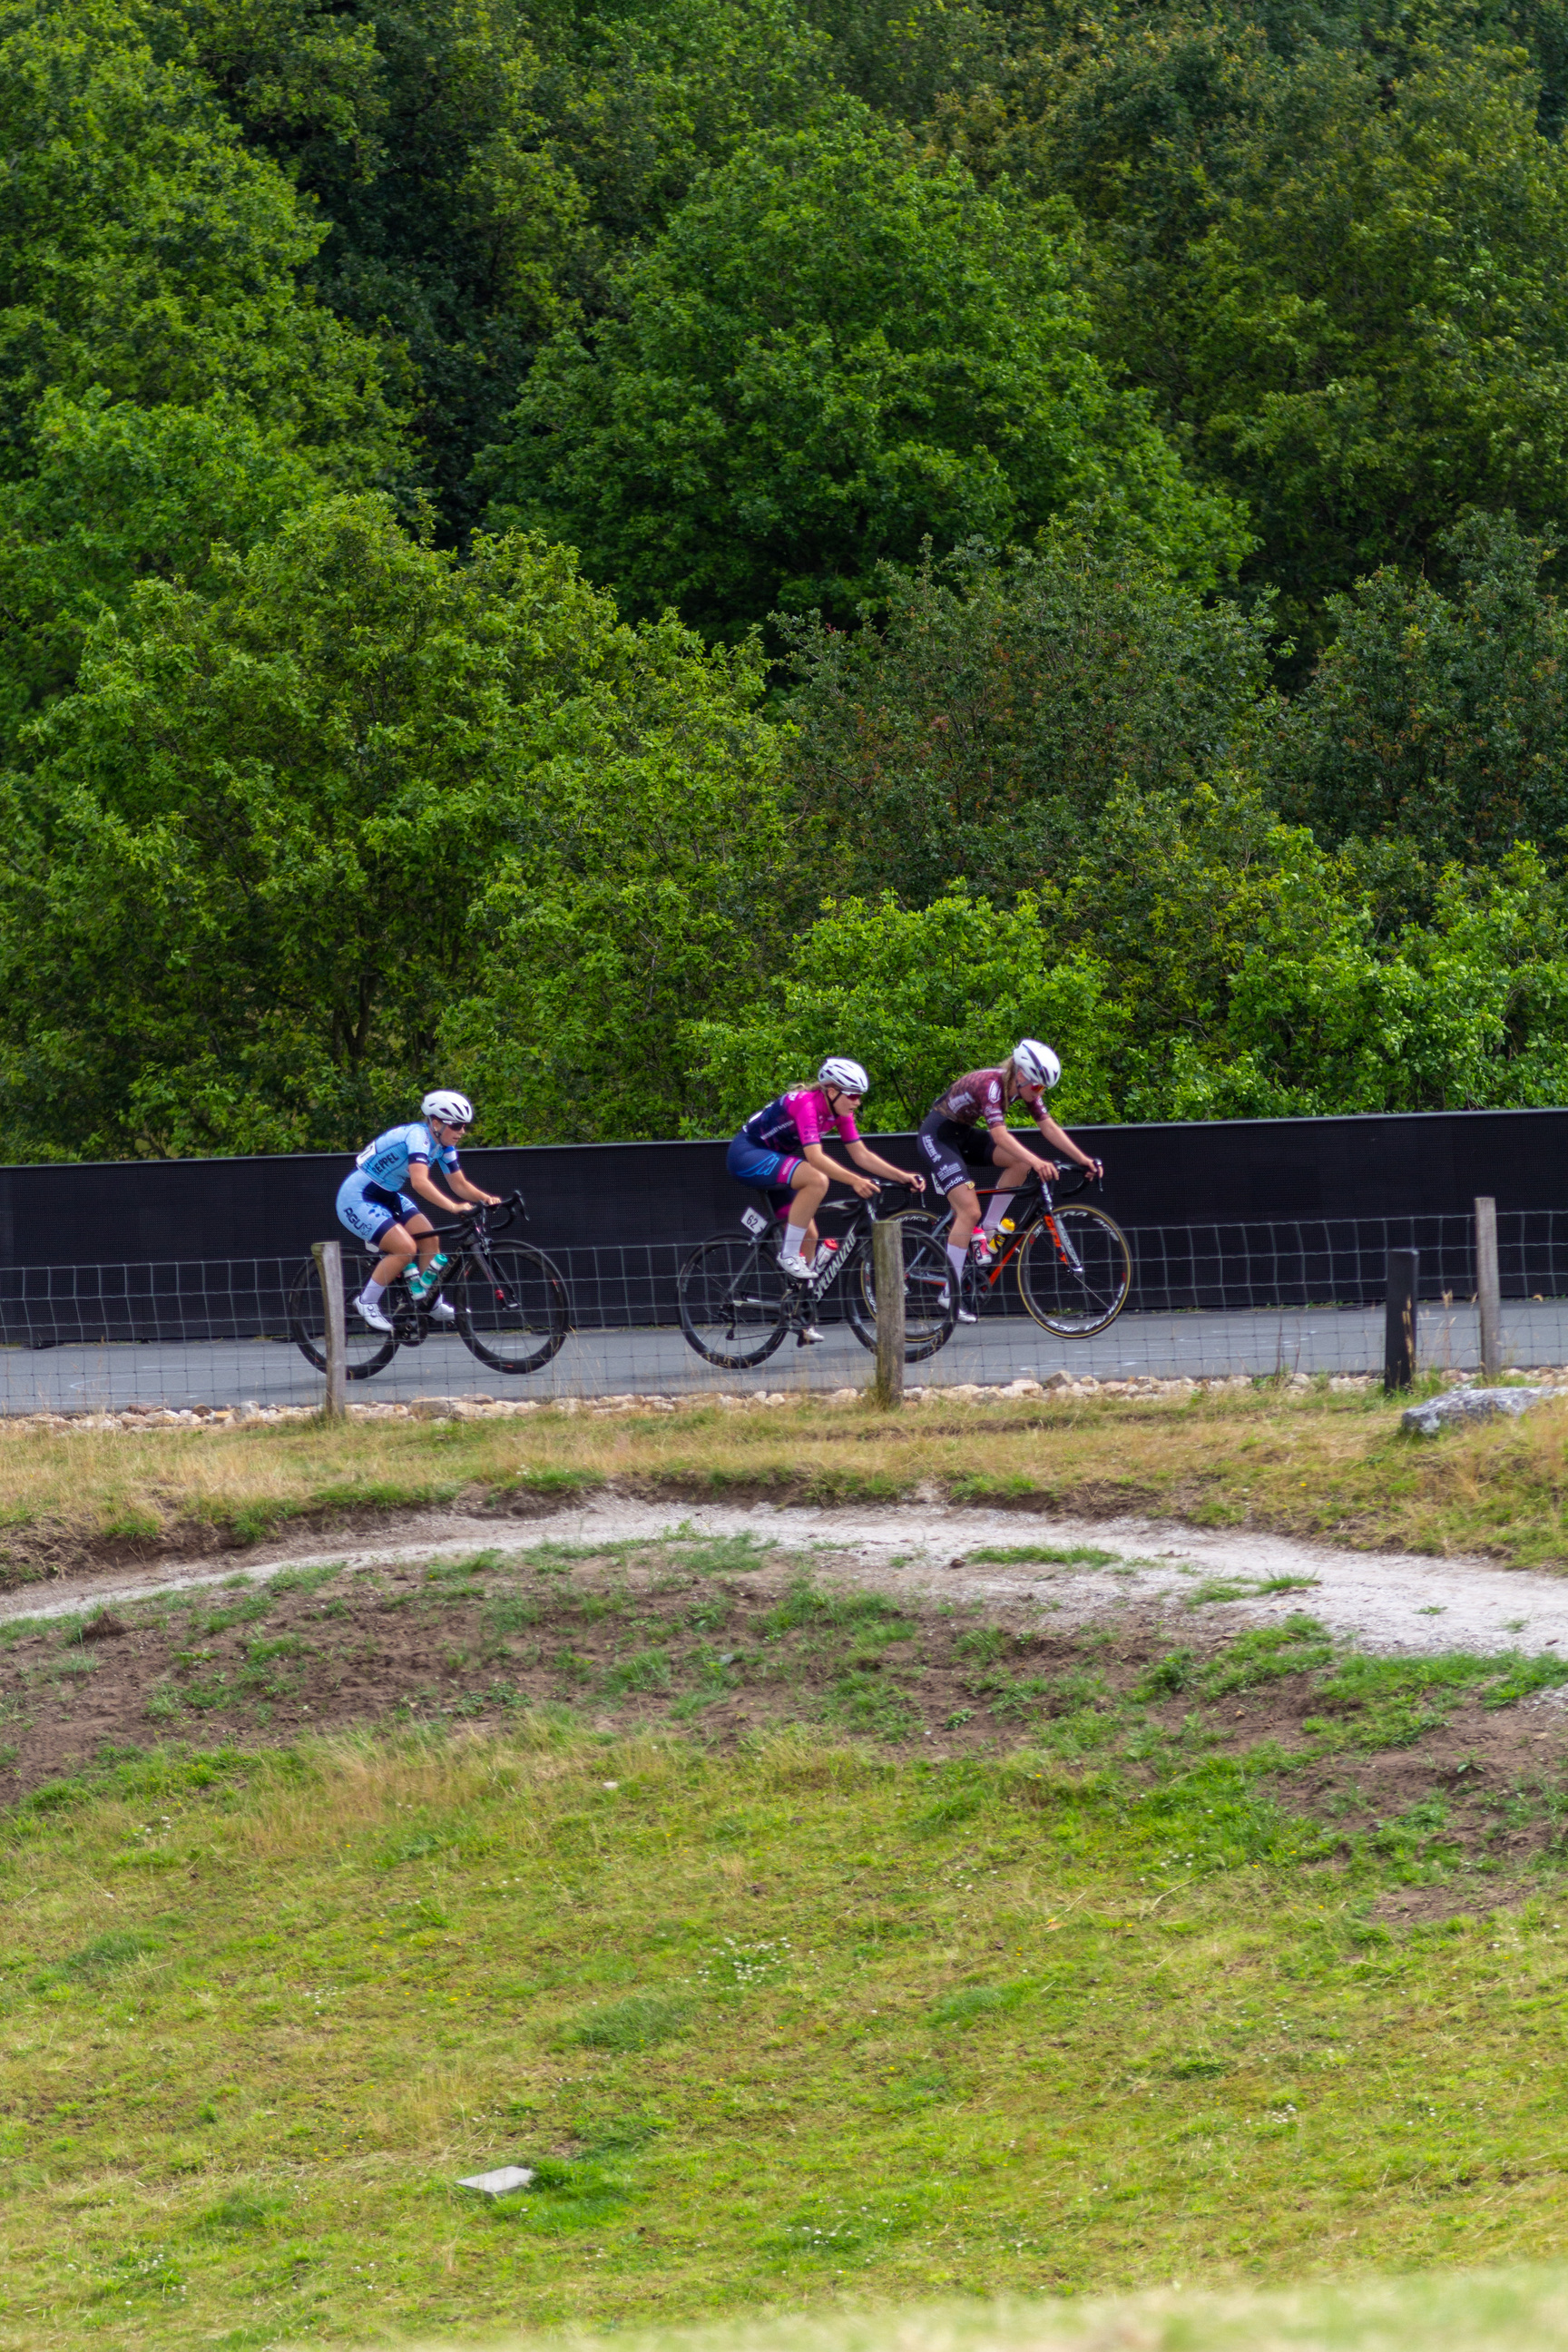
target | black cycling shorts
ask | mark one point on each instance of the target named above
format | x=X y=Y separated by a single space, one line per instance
x=953 y=1152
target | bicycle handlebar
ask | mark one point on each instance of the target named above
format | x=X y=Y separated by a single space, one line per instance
x=479 y=1213
x=1067 y=1188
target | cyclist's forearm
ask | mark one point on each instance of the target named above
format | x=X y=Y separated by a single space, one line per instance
x=1010 y=1149
x=420 y=1182
x=1060 y=1140
x=875 y=1167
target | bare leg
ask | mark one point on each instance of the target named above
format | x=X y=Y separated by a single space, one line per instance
x=965 y=1201
x=809 y=1186
x=1007 y=1182
x=398 y=1246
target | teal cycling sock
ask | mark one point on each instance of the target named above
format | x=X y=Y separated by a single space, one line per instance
x=419 y=1282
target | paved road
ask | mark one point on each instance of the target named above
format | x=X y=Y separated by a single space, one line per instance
x=228 y=1372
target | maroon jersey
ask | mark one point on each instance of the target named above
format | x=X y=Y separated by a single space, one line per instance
x=981 y=1096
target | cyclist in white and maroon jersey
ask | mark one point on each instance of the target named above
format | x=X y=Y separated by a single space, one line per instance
x=952 y=1145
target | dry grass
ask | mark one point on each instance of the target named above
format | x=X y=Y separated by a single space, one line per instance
x=1485 y=2310
x=1306 y=1462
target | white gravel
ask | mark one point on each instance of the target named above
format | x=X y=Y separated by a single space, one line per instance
x=1385 y=1601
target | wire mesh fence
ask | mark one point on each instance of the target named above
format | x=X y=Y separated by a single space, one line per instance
x=1207 y=1302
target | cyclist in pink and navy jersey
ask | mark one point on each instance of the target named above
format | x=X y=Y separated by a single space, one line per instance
x=779 y=1152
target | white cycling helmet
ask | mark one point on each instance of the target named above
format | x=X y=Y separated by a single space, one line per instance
x=847 y=1075
x=444 y=1105
x=1036 y=1063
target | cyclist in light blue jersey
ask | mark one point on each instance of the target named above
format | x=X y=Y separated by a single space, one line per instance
x=375 y=1204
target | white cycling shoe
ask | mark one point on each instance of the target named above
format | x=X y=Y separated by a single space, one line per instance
x=443 y=1311
x=373 y=1316
x=964 y=1314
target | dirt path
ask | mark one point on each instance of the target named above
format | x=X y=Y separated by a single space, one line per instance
x=1388 y=1601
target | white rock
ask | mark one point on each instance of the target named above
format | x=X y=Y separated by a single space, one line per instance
x=1468 y=1404
x=501 y=2183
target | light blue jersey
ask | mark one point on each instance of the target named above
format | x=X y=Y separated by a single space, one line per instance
x=387 y=1161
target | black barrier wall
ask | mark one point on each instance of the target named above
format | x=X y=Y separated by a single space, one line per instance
x=1244 y=1171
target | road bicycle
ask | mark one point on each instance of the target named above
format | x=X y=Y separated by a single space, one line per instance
x=737 y=1306
x=1072 y=1264
x=509 y=1302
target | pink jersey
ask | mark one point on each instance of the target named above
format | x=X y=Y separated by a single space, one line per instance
x=981 y=1097
x=791 y=1121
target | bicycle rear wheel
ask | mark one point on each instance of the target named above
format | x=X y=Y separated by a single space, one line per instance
x=366 y=1350
x=1075 y=1271
x=511 y=1306
x=732 y=1300
x=929 y=1308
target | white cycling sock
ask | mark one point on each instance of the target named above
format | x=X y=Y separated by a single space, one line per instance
x=373 y=1294
x=792 y=1249
x=955 y=1257
x=996 y=1208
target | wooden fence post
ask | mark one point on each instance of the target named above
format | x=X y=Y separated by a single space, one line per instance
x=888 y=1270
x=1399 y=1326
x=329 y=1257
x=1488 y=1292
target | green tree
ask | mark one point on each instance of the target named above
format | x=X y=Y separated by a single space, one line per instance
x=918 y=995
x=643 y=101
x=1378 y=329
x=981 y=724
x=1251 y=980
x=1440 y=719
x=115 y=493
x=145 y=255
x=453 y=222
x=480 y=169
x=830 y=355
x=253 y=865
x=1330 y=252
x=647 y=896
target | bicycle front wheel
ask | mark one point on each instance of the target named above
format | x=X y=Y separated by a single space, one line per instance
x=731 y=1297
x=1075 y=1271
x=511 y=1307
x=366 y=1350
x=929 y=1306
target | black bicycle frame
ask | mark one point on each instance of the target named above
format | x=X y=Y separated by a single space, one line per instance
x=1037 y=1205
x=804 y=1294
x=471 y=1246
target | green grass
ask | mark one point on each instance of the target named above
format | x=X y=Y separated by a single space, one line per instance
x=1055 y=1555
x=789 y=2026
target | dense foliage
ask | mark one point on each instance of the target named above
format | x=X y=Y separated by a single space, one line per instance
x=596 y=552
